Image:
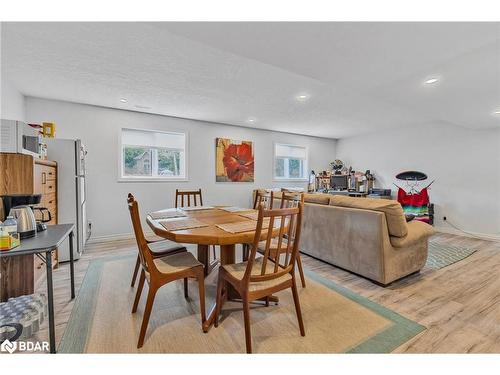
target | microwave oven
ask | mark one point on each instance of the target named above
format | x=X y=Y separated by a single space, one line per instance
x=19 y=137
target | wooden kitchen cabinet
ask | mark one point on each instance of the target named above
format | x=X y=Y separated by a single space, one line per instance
x=45 y=183
x=23 y=174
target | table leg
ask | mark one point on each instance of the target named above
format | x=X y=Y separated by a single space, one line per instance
x=50 y=301
x=203 y=255
x=227 y=256
x=71 y=265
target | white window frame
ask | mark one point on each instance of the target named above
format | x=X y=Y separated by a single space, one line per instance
x=123 y=178
x=304 y=167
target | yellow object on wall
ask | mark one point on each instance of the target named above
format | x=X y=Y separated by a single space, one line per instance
x=48 y=129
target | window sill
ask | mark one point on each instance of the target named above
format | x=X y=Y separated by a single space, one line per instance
x=151 y=179
x=277 y=179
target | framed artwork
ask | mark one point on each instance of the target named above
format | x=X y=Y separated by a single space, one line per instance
x=234 y=160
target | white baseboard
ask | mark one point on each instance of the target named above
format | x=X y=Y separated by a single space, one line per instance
x=116 y=237
x=111 y=237
x=449 y=230
x=483 y=236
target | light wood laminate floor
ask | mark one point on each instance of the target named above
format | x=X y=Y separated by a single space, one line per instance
x=459 y=304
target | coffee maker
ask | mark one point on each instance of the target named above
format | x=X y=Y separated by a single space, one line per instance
x=22 y=208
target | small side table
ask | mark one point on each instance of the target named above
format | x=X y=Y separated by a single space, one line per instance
x=348 y=193
x=357 y=194
x=42 y=246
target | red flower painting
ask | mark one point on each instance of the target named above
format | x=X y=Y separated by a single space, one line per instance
x=237 y=161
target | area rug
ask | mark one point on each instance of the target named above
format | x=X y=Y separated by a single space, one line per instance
x=441 y=255
x=336 y=320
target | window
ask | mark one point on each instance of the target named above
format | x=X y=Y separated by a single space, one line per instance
x=290 y=162
x=147 y=154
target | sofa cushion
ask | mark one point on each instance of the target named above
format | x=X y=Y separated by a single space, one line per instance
x=393 y=211
x=318 y=198
x=417 y=231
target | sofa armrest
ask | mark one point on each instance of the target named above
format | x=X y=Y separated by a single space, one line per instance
x=417 y=231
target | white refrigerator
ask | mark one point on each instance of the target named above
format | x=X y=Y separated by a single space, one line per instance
x=71 y=190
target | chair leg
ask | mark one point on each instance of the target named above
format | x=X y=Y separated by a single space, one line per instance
x=186 y=292
x=213 y=251
x=246 y=318
x=201 y=288
x=218 y=302
x=301 y=271
x=297 y=307
x=147 y=313
x=139 y=291
x=136 y=269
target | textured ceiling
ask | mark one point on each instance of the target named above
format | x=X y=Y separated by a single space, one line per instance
x=361 y=77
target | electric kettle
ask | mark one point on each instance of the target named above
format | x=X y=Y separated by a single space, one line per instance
x=26 y=223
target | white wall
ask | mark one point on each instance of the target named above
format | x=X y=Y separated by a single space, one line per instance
x=465 y=164
x=12 y=102
x=99 y=128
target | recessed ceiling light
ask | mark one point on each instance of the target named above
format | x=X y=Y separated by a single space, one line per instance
x=302 y=97
x=123 y=100
x=496 y=112
x=251 y=120
x=431 y=81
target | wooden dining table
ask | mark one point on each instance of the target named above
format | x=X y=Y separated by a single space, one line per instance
x=209 y=235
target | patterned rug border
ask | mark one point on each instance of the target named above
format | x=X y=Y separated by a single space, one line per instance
x=401 y=331
x=75 y=335
x=463 y=251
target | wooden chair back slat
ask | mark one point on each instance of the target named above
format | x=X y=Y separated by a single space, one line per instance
x=265 y=198
x=145 y=254
x=195 y=194
x=279 y=249
x=290 y=234
x=289 y=200
x=289 y=226
x=268 y=245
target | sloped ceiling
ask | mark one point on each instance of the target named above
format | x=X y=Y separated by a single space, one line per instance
x=360 y=77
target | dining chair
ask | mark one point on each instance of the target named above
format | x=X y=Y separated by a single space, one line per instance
x=188 y=194
x=158 y=248
x=158 y=271
x=194 y=196
x=288 y=200
x=262 y=197
x=261 y=277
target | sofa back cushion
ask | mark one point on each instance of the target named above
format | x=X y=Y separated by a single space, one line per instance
x=318 y=198
x=393 y=211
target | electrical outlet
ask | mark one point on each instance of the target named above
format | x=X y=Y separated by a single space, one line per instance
x=89 y=229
